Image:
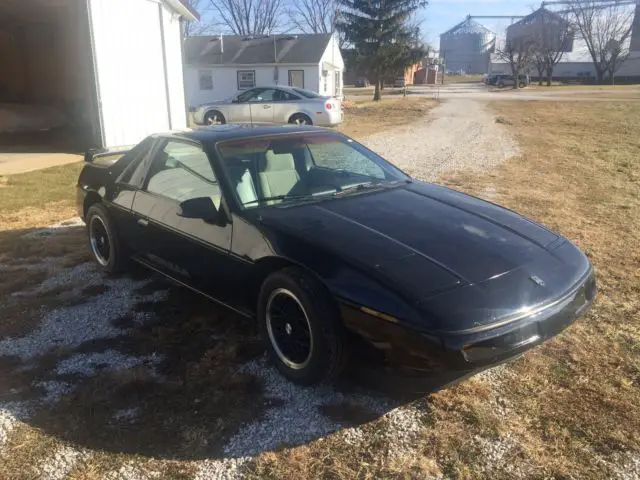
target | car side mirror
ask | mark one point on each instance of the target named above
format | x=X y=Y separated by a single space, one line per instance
x=200 y=207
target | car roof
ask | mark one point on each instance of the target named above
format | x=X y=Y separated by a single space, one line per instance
x=219 y=133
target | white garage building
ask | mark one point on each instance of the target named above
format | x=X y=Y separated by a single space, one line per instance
x=89 y=73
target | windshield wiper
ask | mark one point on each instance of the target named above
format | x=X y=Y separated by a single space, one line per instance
x=357 y=188
x=279 y=197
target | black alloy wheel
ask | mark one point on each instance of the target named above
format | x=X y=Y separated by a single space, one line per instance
x=289 y=329
x=301 y=327
x=104 y=241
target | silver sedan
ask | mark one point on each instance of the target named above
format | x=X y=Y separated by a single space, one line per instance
x=272 y=105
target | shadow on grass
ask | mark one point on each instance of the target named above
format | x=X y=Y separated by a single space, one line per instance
x=162 y=372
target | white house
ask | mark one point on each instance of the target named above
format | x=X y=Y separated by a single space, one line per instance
x=217 y=67
x=105 y=72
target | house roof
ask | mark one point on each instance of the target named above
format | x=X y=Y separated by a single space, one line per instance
x=184 y=8
x=238 y=50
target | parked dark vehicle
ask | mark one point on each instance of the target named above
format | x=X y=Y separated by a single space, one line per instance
x=507 y=81
x=333 y=249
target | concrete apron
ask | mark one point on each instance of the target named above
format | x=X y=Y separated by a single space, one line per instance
x=11 y=163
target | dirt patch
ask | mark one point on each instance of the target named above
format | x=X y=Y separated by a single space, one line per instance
x=365 y=118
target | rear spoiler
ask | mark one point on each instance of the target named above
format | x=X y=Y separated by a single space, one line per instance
x=105 y=156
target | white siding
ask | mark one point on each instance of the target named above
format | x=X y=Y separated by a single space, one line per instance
x=175 y=80
x=225 y=80
x=130 y=69
x=332 y=56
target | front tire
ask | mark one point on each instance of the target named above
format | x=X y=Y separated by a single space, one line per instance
x=103 y=240
x=301 y=327
x=300 y=119
x=214 y=117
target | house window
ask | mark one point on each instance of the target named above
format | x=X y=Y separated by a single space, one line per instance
x=337 y=84
x=246 y=79
x=296 y=78
x=206 y=79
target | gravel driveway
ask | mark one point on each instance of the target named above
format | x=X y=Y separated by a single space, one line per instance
x=458 y=134
x=91 y=336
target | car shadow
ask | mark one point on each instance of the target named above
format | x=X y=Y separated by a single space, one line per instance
x=132 y=364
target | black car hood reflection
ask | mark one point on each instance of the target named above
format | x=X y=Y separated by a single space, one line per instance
x=426 y=241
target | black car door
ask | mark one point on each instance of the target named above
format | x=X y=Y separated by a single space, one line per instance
x=191 y=250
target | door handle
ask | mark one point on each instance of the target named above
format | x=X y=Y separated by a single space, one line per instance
x=266 y=106
x=143 y=222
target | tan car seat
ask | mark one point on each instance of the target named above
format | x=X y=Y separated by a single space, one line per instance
x=277 y=175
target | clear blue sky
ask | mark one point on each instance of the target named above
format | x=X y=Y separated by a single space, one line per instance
x=441 y=15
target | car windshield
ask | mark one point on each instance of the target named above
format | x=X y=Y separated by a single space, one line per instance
x=306 y=93
x=298 y=168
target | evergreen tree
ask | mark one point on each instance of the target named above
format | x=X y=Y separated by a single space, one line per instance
x=380 y=33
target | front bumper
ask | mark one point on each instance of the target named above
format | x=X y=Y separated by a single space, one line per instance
x=472 y=349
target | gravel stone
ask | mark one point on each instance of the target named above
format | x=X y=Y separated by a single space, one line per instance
x=458 y=134
x=52 y=229
x=74 y=325
x=54 y=390
x=297 y=420
x=227 y=469
x=60 y=464
x=88 y=364
x=126 y=414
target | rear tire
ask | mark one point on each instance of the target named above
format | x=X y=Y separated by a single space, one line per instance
x=300 y=119
x=104 y=241
x=301 y=327
x=214 y=117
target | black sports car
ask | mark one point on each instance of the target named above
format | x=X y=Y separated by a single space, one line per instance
x=330 y=246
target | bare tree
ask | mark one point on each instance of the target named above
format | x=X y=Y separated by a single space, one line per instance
x=313 y=16
x=606 y=30
x=519 y=54
x=249 y=17
x=553 y=37
x=540 y=62
x=200 y=27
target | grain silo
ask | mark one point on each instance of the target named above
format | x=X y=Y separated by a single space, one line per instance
x=635 y=36
x=544 y=28
x=467 y=47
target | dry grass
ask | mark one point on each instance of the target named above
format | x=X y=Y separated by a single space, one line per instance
x=568 y=409
x=365 y=117
x=33 y=190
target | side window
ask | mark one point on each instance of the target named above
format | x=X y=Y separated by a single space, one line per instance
x=296 y=78
x=182 y=171
x=246 y=79
x=133 y=159
x=205 y=78
x=282 y=96
x=265 y=95
x=245 y=96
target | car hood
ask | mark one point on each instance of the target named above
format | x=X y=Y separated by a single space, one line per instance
x=425 y=241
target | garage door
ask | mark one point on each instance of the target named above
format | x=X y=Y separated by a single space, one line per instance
x=130 y=71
